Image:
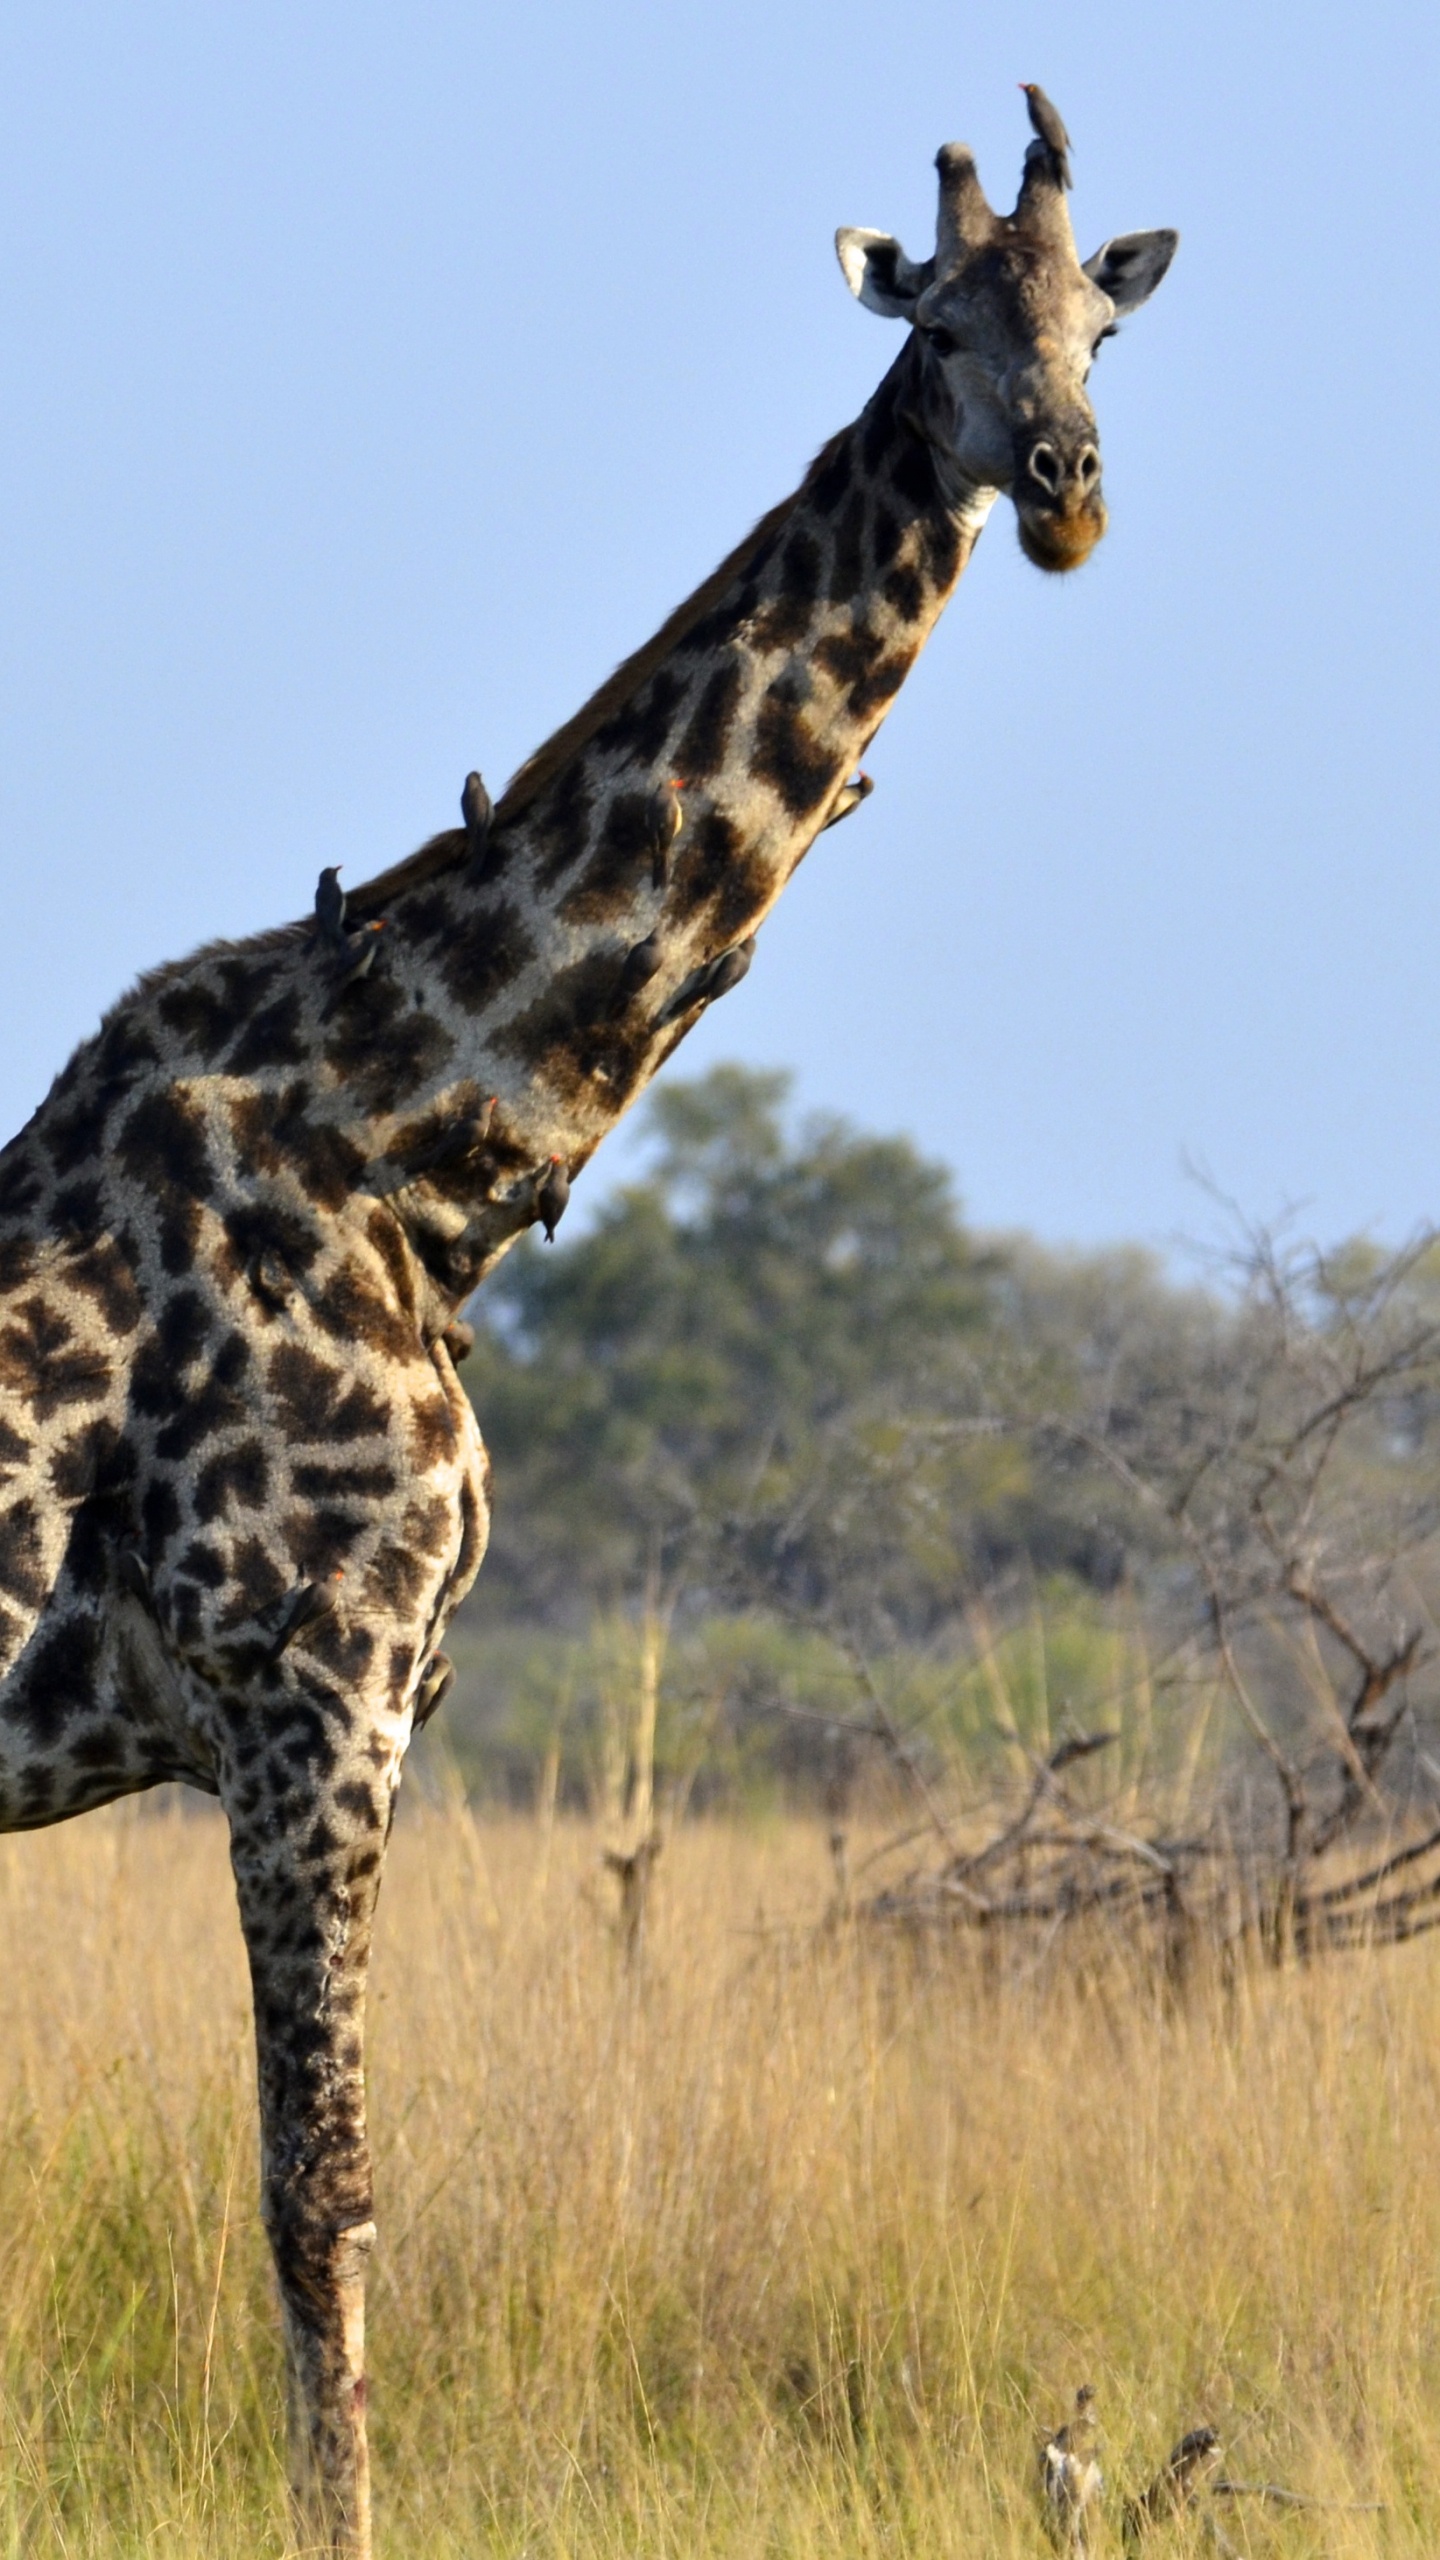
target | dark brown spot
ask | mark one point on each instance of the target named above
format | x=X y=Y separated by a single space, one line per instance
x=942 y=550
x=273 y=1037
x=353 y=1309
x=885 y=532
x=905 y=590
x=316 y=1402
x=22 y=1558
x=701 y=750
x=871 y=692
x=717 y=880
x=830 y=482
x=44 y=1365
x=643 y=724
x=233 y=1477
x=912 y=473
x=196 y=1015
x=381 y=1048
x=256 y=1227
x=204 y=1564
x=198 y=1413
x=159 y=1515
x=432 y=1432
x=56 y=1682
x=847 y=568
x=80 y=1462
x=20 y=1180
x=878 y=424
x=849 y=655
x=314 y=1481
x=162 y=1144
x=563 y=828
x=487 y=951
x=103 y=1274
x=184 y=1327
x=789 y=758
x=395 y=1578
x=787 y=618
x=625 y=849
x=273 y=1132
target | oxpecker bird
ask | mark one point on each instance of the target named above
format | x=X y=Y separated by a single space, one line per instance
x=436 y=1682
x=553 y=1198
x=1175 y=2488
x=637 y=969
x=359 y=954
x=330 y=905
x=477 y=809
x=729 y=969
x=300 y=1608
x=1046 y=119
x=849 y=800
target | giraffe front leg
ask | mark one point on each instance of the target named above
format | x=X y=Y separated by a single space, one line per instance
x=307 y=1876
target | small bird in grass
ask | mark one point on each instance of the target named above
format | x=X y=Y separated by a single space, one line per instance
x=478 y=810
x=1046 y=119
x=1070 y=2477
x=1175 y=2487
x=553 y=1198
x=637 y=969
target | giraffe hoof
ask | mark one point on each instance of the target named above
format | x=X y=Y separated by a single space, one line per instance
x=459 y=1340
x=436 y=1682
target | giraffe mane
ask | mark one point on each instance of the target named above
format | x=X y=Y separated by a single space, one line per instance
x=442 y=852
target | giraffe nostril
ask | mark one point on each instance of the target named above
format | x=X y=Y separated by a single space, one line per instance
x=1087 y=466
x=1044 y=465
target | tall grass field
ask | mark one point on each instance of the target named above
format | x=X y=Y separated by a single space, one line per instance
x=781 y=2242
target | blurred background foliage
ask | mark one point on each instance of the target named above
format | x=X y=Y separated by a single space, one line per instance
x=780 y=1425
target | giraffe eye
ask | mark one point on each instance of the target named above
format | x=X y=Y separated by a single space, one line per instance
x=1109 y=331
x=944 y=341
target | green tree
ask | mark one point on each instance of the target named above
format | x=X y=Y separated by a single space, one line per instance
x=730 y=1324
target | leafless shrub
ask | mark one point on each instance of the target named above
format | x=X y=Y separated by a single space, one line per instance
x=1277 y=1496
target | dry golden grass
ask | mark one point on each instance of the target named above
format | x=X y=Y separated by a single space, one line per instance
x=788 y=2248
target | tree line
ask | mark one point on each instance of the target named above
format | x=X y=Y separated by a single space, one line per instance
x=780 y=1399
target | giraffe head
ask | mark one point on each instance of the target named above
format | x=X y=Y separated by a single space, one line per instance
x=1007 y=323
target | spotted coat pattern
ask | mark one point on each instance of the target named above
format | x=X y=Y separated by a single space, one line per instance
x=241 y=1489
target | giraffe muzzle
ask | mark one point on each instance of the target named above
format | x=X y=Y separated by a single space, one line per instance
x=1058 y=502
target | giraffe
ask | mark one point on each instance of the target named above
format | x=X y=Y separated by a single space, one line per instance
x=242 y=1490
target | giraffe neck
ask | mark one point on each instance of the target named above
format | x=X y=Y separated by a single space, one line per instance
x=759 y=695
x=500 y=1007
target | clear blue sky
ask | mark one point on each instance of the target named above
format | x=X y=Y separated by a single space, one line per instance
x=373 y=377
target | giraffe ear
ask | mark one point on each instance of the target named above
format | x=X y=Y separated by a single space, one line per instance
x=1130 y=267
x=880 y=275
